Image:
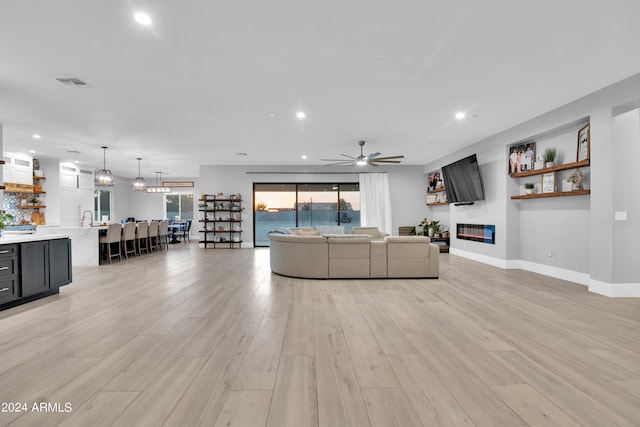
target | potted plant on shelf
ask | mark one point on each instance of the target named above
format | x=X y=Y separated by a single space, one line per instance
x=550 y=157
x=576 y=180
x=528 y=188
x=428 y=227
x=34 y=201
x=5 y=219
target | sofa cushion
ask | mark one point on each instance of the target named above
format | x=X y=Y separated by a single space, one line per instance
x=306 y=232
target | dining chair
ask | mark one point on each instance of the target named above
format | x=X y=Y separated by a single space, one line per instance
x=186 y=231
x=153 y=240
x=163 y=234
x=129 y=239
x=142 y=233
x=107 y=241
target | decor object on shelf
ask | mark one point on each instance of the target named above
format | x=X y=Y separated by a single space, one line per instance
x=549 y=182
x=34 y=200
x=104 y=177
x=435 y=179
x=428 y=227
x=522 y=157
x=550 y=157
x=139 y=183
x=583 y=143
x=5 y=219
x=576 y=180
x=157 y=188
x=528 y=187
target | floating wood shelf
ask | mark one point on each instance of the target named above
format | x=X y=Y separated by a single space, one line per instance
x=438 y=204
x=437 y=190
x=38 y=177
x=563 y=167
x=554 y=194
x=30 y=206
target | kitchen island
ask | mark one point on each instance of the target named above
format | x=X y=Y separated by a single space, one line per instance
x=33 y=266
x=85 y=242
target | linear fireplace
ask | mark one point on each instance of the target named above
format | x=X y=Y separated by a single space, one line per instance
x=477 y=232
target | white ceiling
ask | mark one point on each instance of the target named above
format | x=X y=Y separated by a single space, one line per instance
x=198 y=86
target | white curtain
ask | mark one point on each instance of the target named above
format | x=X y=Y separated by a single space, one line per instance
x=375 y=201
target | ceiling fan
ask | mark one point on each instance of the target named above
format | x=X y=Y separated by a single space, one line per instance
x=370 y=159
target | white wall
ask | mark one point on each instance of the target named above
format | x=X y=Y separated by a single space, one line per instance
x=626 y=196
x=577 y=231
x=407 y=185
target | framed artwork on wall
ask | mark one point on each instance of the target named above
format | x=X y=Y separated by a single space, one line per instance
x=521 y=157
x=583 y=143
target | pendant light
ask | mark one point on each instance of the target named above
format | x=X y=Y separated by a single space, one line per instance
x=104 y=177
x=157 y=188
x=138 y=183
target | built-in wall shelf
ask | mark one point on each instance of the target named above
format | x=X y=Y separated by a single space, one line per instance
x=554 y=194
x=564 y=167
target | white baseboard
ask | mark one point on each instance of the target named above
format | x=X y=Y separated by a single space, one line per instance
x=616 y=290
x=496 y=262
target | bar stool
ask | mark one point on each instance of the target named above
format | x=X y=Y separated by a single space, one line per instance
x=129 y=239
x=142 y=233
x=163 y=234
x=113 y=236
x=153 y=240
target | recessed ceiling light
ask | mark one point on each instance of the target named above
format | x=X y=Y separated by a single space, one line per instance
x=142 y=18
x=460 y=115
x=301 y=115
x=272 y=115
x=304 y=157
x=36 y=136
x=32 y=151
x=76 y=161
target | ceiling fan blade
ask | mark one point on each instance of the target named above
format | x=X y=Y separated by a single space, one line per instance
x=388 y=158
x=385 y=161
x=341 y=162
x=335 y=160
x=350 y=157
x=372 y=155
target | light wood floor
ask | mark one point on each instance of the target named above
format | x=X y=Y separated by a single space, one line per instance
x=211 y=337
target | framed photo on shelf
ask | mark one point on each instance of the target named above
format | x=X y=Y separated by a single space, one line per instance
x=549 y=182
x=521 y=157
x=583 y=143
x=435 y=181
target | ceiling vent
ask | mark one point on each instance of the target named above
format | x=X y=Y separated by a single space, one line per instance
x=74 y=81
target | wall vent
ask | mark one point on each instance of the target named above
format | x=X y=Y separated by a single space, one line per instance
x=74 y=81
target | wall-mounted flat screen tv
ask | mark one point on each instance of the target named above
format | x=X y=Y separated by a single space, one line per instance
x=462 y=181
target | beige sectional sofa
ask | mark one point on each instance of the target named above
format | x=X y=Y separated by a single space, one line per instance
x=353 y=256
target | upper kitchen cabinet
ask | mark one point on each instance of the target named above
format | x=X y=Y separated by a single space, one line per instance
x=18 y=168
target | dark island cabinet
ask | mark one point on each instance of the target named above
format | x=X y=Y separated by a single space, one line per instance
x=34 y=267
x=59 y=262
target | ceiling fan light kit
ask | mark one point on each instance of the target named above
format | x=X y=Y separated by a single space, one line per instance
x=362 y=160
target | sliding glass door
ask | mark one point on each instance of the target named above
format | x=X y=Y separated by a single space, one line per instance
x=288 y=205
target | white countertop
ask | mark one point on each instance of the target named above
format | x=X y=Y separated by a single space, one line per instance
x=8 y=237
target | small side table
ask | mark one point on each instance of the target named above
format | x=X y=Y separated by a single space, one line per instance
x=443 y=242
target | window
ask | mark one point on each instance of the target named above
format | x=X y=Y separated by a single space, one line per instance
x=102 y=204
x=287 y=205
x=178 y=206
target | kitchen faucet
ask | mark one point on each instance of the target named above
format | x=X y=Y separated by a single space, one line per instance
x=84 y=216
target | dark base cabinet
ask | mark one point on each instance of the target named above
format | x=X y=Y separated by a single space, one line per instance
x=59 y=262
x=33 y=269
